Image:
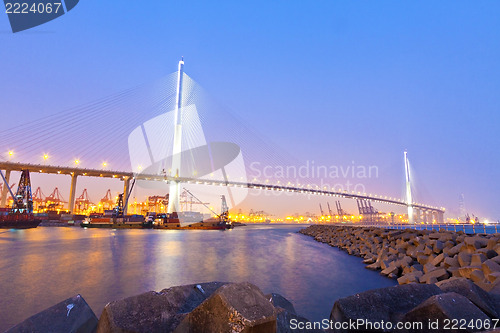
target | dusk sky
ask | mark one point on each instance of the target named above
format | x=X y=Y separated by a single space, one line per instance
x=334 y=82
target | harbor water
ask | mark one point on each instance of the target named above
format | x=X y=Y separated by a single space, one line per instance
x=43 y=266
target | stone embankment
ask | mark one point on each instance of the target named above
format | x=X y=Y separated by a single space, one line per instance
x=419 y=256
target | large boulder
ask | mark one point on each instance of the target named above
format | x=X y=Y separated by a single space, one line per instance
x=71 y=315
x=236 y=307
x=153 y=311
x=386 y=304
x=441 y=309
x=434 y=276
x=470 y=290
x=287 y=322
x=279 y=301
x=412 y=277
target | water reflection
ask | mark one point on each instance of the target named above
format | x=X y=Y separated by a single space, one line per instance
x=43 y=266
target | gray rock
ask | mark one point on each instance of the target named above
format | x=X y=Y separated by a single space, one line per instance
x=71 y=315
x=387 y=304
x=236 y=307
x=454 y=250
x=467 y=271
x=443 y=307
x=153 y=311
x=489 y=266
x=476 y=241
x=477 y=276
x=491 y=254
x=464 y=259
x=434 y=276
x=439 y=259
x=412 y=277
x=468 y=289
x=287 y=322
x=477 y=259
x=279 y=301
x=451 y=262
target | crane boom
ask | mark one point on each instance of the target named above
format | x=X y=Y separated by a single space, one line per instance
x=7 y=185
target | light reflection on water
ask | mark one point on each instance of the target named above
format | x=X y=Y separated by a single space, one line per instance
x=43 y=266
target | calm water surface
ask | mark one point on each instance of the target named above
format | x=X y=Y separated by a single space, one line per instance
x=43 y=266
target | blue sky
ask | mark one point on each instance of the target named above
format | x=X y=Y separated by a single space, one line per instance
x=329 y=81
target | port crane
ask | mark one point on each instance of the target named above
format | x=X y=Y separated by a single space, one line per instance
x=329 y=209
x=340 y=211
x=365 y=208
x=321 y=210
x=120 y=203
x=20 y=215
x=223 y=216
x=55 y=200
x=38 y=199
x=107 y=202
x=23 y=199
x=83 y=202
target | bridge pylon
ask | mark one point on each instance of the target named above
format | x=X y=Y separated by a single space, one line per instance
x=409 y=200
x=175 y=186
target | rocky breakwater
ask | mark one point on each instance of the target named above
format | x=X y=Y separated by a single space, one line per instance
x=206 y=307
x=419 y=256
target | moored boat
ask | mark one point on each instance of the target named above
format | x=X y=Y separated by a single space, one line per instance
x=126 y=222
x=19 y=221
x=173 y=222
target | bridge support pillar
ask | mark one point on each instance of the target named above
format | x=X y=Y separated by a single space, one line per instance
x=126 y=186
x=72 y=191
x=5 y=190
x=440 y=217
x=416 y=215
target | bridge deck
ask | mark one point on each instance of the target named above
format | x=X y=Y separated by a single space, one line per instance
x=51 y=169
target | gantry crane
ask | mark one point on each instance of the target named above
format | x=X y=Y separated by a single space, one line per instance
x=83 y=202
x=55 y=201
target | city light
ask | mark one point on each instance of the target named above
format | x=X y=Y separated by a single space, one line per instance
x=11 y=153
x=45 y=156
x=77 y=161
x=104 y=164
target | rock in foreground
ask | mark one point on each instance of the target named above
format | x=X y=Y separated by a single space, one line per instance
x=155 y=312
x=71 y=315
x=238 y=307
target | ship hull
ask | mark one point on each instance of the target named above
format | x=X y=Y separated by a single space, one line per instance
x=192 y=226
x=19 y=224
x=115 y=223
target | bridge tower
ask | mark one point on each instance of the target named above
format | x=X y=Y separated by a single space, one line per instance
x=409 y=200
x=175 y=187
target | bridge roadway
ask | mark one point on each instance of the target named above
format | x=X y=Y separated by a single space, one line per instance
x=74 y=172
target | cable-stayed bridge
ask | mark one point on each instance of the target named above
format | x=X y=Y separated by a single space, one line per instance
x=169 y=132
x=422 y=212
